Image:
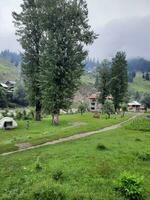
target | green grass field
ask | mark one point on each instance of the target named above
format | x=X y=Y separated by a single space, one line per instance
x=40 y=132
x=140 y=85
x=86 y=172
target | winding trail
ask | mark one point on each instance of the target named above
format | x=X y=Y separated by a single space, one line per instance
x=73 y=137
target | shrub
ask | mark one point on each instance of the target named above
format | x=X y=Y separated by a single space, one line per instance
x=138 y=140
x=31 y=114
x=145 y=156
x=18 y=114
x=130 y=186
x=5 y=113
x=47 y=193
x=57 y=175
x=101 y=147
x=96 y=115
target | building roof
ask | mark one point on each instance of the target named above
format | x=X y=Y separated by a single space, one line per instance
x=93 y=96
x=134 y=103
x=3 y=85
x=10 y=82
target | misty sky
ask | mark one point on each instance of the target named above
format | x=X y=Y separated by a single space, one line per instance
x=121 y=25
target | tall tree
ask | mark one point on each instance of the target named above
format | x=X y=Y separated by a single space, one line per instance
x=104 y=80
x=66 y=34
x=28 y=29
x=119 y=83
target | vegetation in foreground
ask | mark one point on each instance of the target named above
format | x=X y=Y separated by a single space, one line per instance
x=80 y=169
x=33 y=133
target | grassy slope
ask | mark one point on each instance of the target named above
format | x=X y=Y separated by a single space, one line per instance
x=40 y=132
x=140 y=85
x=87 y=171
x=7 y=71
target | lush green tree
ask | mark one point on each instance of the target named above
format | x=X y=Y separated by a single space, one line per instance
x=66 y=32
x=3 y=98
x=28 y=29
x=137 y=96
x=146 y=101
x=19 y=94
x=147 y=77
x=119 y=82
x=108 y=107
x=104 y=80
x=82 y=108
x=124 y=108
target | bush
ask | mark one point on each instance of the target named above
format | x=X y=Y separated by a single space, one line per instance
x=57 y=175
x=145 y=156
x=130 y=186
x=47 y=193
x=96 y=115
x=101 y=147
x=31 y=114
x=5 y=113
x=138 y=140
x=18 y=115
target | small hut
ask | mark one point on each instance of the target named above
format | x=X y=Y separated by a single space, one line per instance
x=135 y=106
x=8 y=123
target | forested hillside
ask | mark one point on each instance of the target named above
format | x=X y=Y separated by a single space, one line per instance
x=8 y=71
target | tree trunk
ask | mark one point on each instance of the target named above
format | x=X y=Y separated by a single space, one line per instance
x=38 y=110
x=55 y=119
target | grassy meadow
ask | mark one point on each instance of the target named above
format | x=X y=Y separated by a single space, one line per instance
x=40 y=132
x=78 y=170
x=140 y=85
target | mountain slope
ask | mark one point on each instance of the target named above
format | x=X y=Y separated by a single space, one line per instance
x=8 y=71
x=139 y=84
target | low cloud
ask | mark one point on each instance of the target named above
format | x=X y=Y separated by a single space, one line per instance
x=130 y=35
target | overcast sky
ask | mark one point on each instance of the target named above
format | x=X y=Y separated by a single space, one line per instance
x=121 y=25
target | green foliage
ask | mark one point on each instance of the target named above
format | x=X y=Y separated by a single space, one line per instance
x=19 y=94
x=30 y=37
x=141 y=124
x=124 y=108
x=8 y=71
x=103 y=80
x=18 y=114
x=82 y=108
x=131 y=186
x=64 y=52
x=58 y=175
x=119 y=82
x=144 y=156
x=139 y=85
x=49 y=193
x=101 y=147
x=146 y=101
x=108 y=107
x=3 y=98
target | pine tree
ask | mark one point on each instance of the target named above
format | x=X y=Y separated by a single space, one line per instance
x=119 y=83
x=66 y=33
x=104 y=80
x=147 y=77
x=28 y=29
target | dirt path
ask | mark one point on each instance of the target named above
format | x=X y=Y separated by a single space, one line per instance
x=73 y=137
